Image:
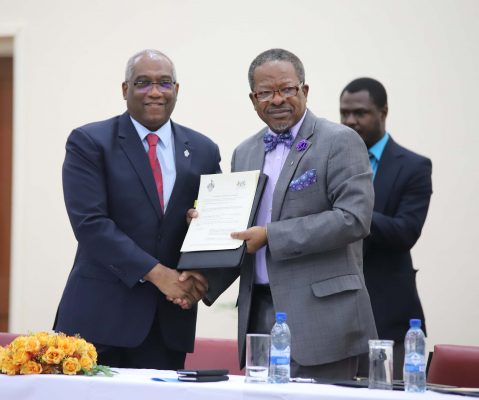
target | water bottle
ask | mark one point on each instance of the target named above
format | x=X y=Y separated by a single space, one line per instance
x=280 y=350
x=415 y=358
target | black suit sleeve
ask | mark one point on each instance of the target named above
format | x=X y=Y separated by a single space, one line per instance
x=86 y=199
x=401 y=228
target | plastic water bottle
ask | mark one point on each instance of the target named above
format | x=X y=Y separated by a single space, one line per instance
x=415 y=358
x=280 y=350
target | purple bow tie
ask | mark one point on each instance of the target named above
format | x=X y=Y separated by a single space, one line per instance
x=271 y=140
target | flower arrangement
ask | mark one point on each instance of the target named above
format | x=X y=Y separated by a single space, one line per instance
x=50 y=353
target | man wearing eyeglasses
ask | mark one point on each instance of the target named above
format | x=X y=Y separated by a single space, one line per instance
x=305 y=252
x=128 y=183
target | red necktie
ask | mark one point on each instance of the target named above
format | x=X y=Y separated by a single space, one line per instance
x=152 y=140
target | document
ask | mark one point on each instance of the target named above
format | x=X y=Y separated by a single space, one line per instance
x=224 y=206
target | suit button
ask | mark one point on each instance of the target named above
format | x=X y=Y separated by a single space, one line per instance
x=159 y=237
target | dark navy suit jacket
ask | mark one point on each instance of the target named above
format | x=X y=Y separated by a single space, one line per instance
x=114 y=210
x=403 y=189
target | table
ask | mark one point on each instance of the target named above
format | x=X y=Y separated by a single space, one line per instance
x=137 y=384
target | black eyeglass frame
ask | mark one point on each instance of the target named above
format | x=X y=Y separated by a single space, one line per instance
x=268 y=95
x=146 y=85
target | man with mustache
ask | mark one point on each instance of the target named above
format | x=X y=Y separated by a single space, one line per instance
x=305 y=250
x=128 y=182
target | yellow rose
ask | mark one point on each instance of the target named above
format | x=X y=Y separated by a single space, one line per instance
x=67 y=344
x=9 y=368
x=43 y=337
x=86 y=363
x=3 y=354
x=53 y=355
x=91 y=352
x=32 y=344
x=71 y=366
x=81 y=346
x=20 y=357
x=52 y=340
x=31 y=367
x=18 y=343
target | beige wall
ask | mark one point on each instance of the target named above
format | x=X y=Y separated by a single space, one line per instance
x=69 y=64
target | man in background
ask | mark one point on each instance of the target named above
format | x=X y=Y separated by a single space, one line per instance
x=305 y=251
x=402 y=186
x=128 y=182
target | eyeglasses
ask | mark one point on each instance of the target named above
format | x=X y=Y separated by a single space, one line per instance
x=268 y=95
x=146 y=86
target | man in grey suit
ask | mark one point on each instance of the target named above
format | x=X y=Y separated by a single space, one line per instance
x=305 y=252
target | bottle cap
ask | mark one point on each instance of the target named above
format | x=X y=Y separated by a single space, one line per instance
x=415 y=323
x=280 y=316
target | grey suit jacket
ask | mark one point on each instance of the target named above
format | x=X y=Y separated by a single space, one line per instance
x=314 y=256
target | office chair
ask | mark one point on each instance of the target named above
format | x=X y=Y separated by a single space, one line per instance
x=214 y=354
x=454 y=365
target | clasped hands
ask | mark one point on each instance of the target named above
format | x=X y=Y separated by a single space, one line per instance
x=184 y=289
x=187 y=288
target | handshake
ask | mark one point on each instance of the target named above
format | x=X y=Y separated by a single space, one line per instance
x=187 y=288
x=184 y=289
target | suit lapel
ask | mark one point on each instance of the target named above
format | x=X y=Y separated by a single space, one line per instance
x=134 y=150
x=291 y=164
x=184 y=152
x=386 y=175
x=253 y=162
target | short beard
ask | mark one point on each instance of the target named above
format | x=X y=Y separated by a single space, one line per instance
x=279 y=128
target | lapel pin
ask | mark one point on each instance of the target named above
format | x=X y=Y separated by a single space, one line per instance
x=186 y=153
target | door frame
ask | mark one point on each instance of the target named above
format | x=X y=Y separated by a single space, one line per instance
x=19 y=141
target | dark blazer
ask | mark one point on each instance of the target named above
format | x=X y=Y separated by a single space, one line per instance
x=114 y=210
x=403 y=189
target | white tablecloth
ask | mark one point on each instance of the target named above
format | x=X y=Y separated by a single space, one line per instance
x=138 y=385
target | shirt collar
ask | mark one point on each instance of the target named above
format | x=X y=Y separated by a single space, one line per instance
x=164 y=133
x=295 y=128
x=377 y=148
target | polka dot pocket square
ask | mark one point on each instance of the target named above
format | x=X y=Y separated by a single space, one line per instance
x=305 y=180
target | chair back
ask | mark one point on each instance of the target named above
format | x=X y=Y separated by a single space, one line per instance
x=454 y=365
x=214 y=354
x=7 y=338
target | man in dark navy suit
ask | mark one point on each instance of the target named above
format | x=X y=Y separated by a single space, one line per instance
x=403 y=188
x=128 y=182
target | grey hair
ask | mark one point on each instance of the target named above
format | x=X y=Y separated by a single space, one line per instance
x=276 y=55
x=153 y=54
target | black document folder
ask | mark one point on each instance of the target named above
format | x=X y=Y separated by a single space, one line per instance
x=223 y=258
x=202 y=375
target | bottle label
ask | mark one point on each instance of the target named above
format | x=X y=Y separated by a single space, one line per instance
x=280 y=360
x=414 y=363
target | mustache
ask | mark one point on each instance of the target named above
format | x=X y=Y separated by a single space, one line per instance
x=276 y=110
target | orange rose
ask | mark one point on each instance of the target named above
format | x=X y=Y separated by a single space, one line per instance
x=31 y=367
x=81 y=346
x=91 y=352
x=86 y=363
x=71 y=366
x=20 y=357
x=67 y=344
x=32 y=344
x=43 y=337
x=18 y=343
x=3 y=354
x=53 y=355
x=9 y=368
